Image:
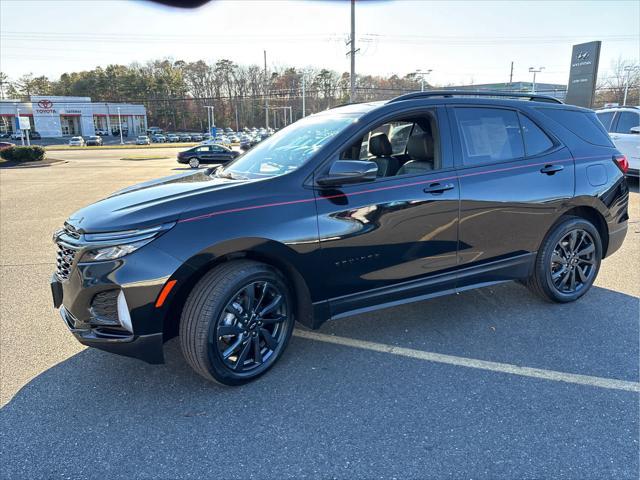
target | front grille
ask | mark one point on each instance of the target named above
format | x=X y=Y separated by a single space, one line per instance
x=64 y=261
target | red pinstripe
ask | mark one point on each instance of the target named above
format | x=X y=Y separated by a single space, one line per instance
x=379 y=189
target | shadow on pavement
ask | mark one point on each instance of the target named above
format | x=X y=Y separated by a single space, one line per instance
x=331 y=411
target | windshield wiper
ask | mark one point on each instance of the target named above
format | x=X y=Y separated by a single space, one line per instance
x=229 y=175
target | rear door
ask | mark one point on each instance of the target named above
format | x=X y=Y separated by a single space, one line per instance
x=514 y=178
x=219 y=154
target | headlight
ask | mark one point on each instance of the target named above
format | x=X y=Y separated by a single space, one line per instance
x=113 y=245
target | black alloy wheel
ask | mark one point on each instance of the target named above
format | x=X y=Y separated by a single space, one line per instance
x=237 y=321
x=573 y=261
x=251 y=326
x=568 y=261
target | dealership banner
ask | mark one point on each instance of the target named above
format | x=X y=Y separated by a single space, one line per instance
x=583 y=74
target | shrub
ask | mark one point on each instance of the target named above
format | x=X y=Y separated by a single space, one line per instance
x=33 y=153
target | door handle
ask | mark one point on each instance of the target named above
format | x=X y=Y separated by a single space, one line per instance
x=551 y=169
x=438 y=188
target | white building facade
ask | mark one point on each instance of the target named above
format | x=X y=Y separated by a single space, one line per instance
x=53 y=116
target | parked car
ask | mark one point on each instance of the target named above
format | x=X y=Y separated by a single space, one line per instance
x=304 y=228
x=76 y=142
x=157 y=138
x=173 y=138
x=184 y=137
x=102 y=133
x=4 y=145
x=206 y=136
x=143 y=140
x=93 y=140
x=623 y=125
x=17 y=135
x=116 y=132
x=33 y=135
x=196 y=137
x=210 y=153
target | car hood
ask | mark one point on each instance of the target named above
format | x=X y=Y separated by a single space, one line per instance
x=150 y=203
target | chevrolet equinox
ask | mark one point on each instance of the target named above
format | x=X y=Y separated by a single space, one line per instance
x=357 y=208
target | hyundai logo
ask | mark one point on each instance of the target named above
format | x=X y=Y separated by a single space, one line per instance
x=45 y=104
x=582 y=56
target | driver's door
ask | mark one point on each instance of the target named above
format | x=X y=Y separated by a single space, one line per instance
x=398 y=229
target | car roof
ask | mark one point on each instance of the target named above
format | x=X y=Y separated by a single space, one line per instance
x=448 y=97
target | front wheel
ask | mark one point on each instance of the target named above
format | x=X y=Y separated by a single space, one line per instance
x=236 y=322
x=194 y=163
x=568 y=261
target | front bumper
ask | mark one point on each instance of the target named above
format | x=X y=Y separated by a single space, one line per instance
x=111 y=304
x=143 y=347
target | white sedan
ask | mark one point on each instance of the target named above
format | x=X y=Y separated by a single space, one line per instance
x=76 y=142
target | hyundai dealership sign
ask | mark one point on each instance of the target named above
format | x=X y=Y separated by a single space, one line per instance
x=583 y=74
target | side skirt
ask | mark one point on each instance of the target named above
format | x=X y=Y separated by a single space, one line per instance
x=491 y=273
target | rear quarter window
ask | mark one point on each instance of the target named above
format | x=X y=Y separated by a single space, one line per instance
x=584 y=125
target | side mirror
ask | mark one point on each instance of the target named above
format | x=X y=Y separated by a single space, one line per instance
x=344 y=172
x=635 y=130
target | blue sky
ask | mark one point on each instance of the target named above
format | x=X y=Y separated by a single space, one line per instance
x=460 y=41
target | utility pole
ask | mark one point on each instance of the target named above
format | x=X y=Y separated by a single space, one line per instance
x=534 y=71
x=511 y=74
x=628 y=69
x=303 y=97
x=266 y=92
x=352 y=53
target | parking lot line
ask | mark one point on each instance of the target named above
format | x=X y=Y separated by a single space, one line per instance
x=553 y=375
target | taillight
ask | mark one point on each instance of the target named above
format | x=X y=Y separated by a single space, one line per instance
x=622 y=162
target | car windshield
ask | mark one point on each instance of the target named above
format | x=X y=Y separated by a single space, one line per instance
x=288 y=149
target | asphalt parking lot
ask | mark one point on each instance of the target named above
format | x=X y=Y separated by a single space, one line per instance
x=492 y=383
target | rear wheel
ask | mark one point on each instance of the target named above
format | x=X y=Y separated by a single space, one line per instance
x=236 y=322
x=194 y=163
x=568 y=261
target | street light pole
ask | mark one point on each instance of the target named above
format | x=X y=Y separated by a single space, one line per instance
x=211 y=119
x=534 y=71
x=303 y=97
x=120 y=126
x=422 y=74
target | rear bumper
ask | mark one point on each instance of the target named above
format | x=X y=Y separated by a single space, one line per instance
x=616 y=238
x=633 y=172
x=143 y=347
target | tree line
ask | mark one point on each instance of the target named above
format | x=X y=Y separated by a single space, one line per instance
x=175 y=93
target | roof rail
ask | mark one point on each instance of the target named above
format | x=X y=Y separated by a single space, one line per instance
x=475 y=93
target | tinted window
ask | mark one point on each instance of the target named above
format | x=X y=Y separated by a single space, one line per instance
x=582 y=124
x=489 y=135
x=626 y=121
x=535 y=140
x=605 y=118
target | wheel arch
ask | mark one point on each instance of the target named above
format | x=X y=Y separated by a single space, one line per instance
x=594 y=216
x=269 y=252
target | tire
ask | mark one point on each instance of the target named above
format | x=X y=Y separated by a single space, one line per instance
x=220 y=302
x=194 y=162
x=560 y=267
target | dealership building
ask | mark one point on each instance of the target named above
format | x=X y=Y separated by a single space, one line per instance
x=52 y=116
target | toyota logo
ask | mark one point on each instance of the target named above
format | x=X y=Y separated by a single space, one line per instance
x=45 y=104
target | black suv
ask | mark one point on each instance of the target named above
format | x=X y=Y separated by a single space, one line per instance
x=360 y=207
